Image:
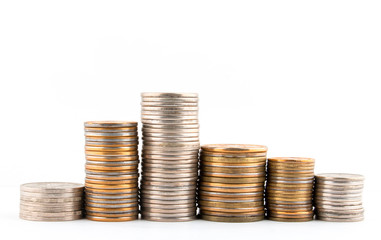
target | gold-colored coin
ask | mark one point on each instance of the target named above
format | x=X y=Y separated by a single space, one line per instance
x=294 y=199
x=233 y=214
x=232 y=155
x=112 y=215
x=112 y=144
x=105 y=182
x=291 y=160
x=231 y=219
x=112 y=196
x=112 y=159
x=111 y=139
x=232 y=180
x=111 y=124
x=229 y=204
x=240 y=211
x=306 y=219
x=110 y=210
x=233 y=175
x=117 y=168
x=111 y=219
x=231 y=190
x=234 y=148
x=111 y=177
x=111 y=129
x=111 y=186
x=233 y=170
x=232 y=165
x=224 y=185
x=119 y=153
x=233 y=160
x=112 y=149
x=110 y=191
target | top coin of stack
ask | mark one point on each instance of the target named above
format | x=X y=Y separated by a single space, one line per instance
x=170 y=156
x=289 y=189
x=231 y=184
x=111 y=170
x=51 y=201
x=338 y=197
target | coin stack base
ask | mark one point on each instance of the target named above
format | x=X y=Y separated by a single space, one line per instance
x=51 y=201
x=338 y=197
x=231 y=184
x=111 y=171
x=170 y=156
x=289 y=189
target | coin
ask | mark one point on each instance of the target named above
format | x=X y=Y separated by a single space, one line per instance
x=118 y=124
x=51 y=187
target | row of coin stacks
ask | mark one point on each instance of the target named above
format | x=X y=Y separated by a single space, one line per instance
x=231 y=184
x=112 y=159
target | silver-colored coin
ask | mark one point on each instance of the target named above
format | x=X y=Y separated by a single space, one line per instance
x=110 y=134
x=169 y=206
x=176 y=152
x=51 y=214
x=170 y=171
x=118 y=201
x=169 y=104
x=101 y=191
x=171 y=108
x=24 y=208
x=168 y=188
x=49 y=219
x=163 y=179
x=43 y=200
x=338 y=203
x=342 y=195
x=111 y=130
x=339 y=184
x=51 y=187
x=168 y=114
x=43 y=205
x=171 y=164
x=175 y=117
x=339 y=216
x=169 y=157
x=168 y=95
x=173 y=145
x=170 y=100
x=170 y=176
x=174 y=215
x=110 y=124
x=164 y=167
x=110 y=173
x=144 y=200
x=340 y=177
x=168 y=211
x=338 y=192
x=168 y=219
x=338 y=199
x=180 y=126
x=170 y=121
x=51 y=195
x=171 y=183
x=331 y=219
x=170 y=139
x=147 y=131
x=339 y=208
x=113 y=197
x=168 y=193
x=171 y=135
x=112 y=144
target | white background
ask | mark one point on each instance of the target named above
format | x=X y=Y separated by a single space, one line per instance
x=301 y=77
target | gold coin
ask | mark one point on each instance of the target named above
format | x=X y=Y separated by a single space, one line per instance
x=112 y=215
x=234 y=175
x=111 y=177
x=306 y=219
x=110 y=210
x=112 y=159
x=234 y=148
x=232 y=155
x=110 y=191
x=111 y=129
x=111 y=144
x=233 y=160
x=119 y=153
x=129 y=181
x=224 y=185
x=233 y=214
x=291 y=160
x=110 y=197
x=232 y=219
x=111 y=219
x=235 y=165
x=232 y=180
x=111 y=186
x=229 y=204
x=231 y=190
x=243 y=211
x=103 y=168
x=233 y=170
x=294 y=199
x=103 y=124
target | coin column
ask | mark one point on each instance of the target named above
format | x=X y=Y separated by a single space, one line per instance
x=338 y=197
x=289 y=189
x=111 y=171
x=231 y=184
x=51 y=201
x=169 y=156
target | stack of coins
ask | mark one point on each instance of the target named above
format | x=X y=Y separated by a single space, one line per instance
x=51 y=201
x=289 y=189
x=338 y=197
x=231 y=185
x=170 y=156
x=111 y=171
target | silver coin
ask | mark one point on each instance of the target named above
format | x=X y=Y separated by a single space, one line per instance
x=51 y=187
x=171 y=135
x=168 y=211
x=170 y=126
x=111 y=124
x=338 y=184
x=340 y=177
x=51 y=195
x=50 y=219
x=338 y=199
x=171 y=164
x=144 y=200
x=174 y=117
x=164 y=167
x=171 y=108
x=43 y=200
x=169 y=104
x=169 y=176
x=340 y=215
x=113 y=205
x=101 y=191
x=175 y=152
x=168 y=193
x=170 y=121
x=169 y=157
x=42 y=205
x=332 y=219
x=111 y=149
x=162 y=179
x=168 y=219
x=168 y=188
x=169 y=114
x=155 y=214
x=169 y=95
x=324 y=207
x=170 y=140
x=114 y=197
x=111 y=173
x=342 y=195
x=112 y=144
x=173 y=145
x=24 y=208
x=118 y=201
x=168 y=184
x=110 y=134
x=169 y=171
x=148 y=131
x=170 y=100
x=51 y=214
x=338 y=192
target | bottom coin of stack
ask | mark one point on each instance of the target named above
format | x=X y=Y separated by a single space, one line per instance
x=51 y=201
x=338 y=197
x=111 y=184
x=289 y=189
x=231 y=184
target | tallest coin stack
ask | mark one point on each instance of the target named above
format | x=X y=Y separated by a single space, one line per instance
x=169 y=156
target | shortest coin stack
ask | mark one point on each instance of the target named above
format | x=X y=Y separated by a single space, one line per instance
x=231 y=184
x=51 y=201
x=338 y=197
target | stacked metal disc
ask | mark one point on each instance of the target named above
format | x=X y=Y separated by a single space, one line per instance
x=231 y=185
x=170 y=156
x=111 y=171
x=338 y=197
x=51 y=201
x=289 y=189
